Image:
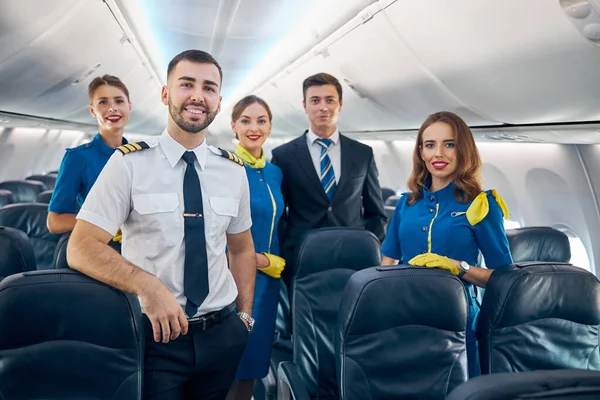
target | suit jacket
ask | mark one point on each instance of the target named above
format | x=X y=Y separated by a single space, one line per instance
x=357 y=201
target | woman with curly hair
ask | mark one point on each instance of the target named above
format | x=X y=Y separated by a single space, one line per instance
x=446 y=219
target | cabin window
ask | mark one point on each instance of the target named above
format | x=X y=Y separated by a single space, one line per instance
x=508 y=224
x=579 y=255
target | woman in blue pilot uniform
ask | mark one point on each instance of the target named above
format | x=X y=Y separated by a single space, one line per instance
x=446 y=219
x=110 y=105
x=251 y=123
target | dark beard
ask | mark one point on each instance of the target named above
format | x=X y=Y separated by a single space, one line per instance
x=190 y=126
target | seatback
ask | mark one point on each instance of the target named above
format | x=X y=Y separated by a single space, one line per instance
x=325 y=260
x=60 y=254
x=48 y=180
x=539 y=316
x=540 y=385
x=67 y=336
x=401 y=334
x=6 y=197
x=538 y=243
x=387 y=192
x=391 y=201
x=31 y=219
x=44 y=197
x=24 y=191
x=16 y=253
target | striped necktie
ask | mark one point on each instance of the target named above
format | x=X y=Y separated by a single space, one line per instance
x=327 y=174
x=195 y=276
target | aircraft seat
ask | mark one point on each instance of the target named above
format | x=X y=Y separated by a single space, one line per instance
x=87 y=342
x=48 y=180
x=401 y=334
x=387 y=192
x=392 y=201
x=16 y=252
x=60 y=254
x=538 y=243
x=540 y=385
x=325 y=260
x=539 y=316
x=24 y=191
x=44 y=197
x=31 y=219
x=6 y=197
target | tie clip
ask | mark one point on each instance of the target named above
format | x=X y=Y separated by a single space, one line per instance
x=194 y=215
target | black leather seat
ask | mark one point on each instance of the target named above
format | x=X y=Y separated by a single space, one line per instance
x=537 y=316
x=44 y=197
x=401 y=334
x=67 y=336
x=60 y=254
x=31 y=219
x=539 y=385
x=16 y=253
x=387 y=192
x=325 y=261
x=48 y=180
x=24 y=191
x=6 y=197
x=538 y=243
x=392 y=201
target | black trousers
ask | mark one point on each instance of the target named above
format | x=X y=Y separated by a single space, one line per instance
x=199 y=365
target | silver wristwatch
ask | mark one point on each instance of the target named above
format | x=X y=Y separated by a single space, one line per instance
x=248 y=319
x=464 y=267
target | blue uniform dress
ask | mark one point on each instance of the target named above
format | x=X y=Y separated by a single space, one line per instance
x=266 y=207
x=78 y=171
x=437 y=223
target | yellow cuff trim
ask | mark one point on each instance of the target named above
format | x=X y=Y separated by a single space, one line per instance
x=480 y=207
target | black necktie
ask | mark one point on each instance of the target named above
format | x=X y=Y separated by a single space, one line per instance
x=195 y=278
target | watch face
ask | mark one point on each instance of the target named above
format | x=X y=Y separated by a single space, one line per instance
x=464 y=265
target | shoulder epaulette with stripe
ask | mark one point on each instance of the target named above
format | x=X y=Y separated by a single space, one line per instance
x=131 y=147
x=230 y=156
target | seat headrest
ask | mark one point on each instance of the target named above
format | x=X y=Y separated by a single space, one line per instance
x=60 y=254
x=31 y=219
x=48 y=180
x=16 y=252
x=44 y=197
x=534 y=291
x=24 y=191
x=412 y=319
x=327 y=248
x=89 y=333
x=6 y=197
x=387 y=192
x=392 y=201
x=541 y=243
x=569 y=384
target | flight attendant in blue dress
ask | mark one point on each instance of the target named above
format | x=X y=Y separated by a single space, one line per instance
x=110 y=105
x=251 y=122
x=446 y=219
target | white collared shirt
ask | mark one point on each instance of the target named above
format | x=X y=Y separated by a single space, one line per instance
x=335 y=153
x=142 y=192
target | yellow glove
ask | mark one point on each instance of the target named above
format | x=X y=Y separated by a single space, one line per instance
x=118 y=237
x=436 y=261
x=276 y=265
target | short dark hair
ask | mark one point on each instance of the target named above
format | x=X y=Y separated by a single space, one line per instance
x=106 y=80
x=320 y=80
x=241 y=105
x=197 y=56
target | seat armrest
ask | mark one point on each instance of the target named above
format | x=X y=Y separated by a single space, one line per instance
x=289 y=383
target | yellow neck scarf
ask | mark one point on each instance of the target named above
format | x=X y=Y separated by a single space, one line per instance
x=249 y=159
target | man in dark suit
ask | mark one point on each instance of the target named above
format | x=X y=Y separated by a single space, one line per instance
x=328 y=179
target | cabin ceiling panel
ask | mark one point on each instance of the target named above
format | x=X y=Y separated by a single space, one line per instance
x=49 y=74
x=516 y=61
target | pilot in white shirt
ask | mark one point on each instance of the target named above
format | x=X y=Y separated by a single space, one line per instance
x=187 y=253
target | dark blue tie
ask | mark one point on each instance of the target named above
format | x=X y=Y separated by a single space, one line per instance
x=327 y=175
x=195 y=277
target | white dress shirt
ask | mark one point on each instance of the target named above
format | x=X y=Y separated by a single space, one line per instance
x=142 y=192
x=335 y=153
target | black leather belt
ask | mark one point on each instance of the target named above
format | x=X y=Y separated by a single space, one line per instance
x=205 y=321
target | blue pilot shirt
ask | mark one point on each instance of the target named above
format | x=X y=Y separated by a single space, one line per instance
x=437 y=223
x=78 y=171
